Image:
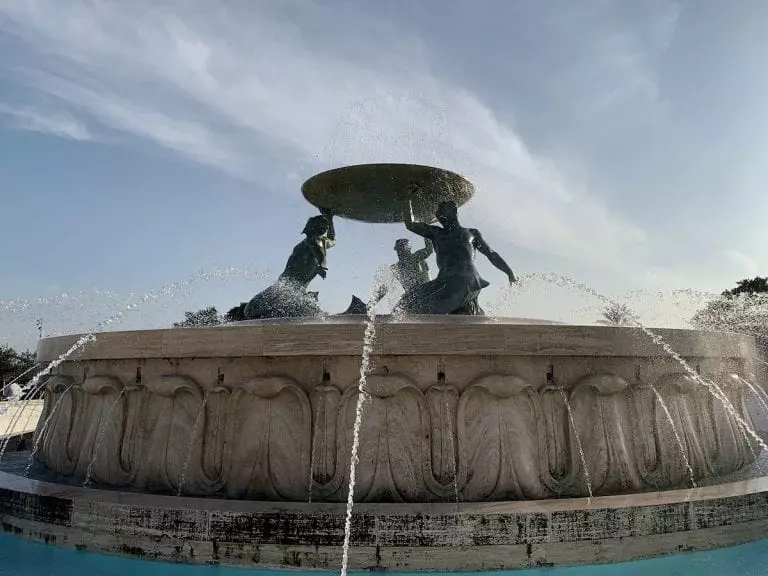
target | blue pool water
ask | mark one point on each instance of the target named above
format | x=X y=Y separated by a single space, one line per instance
x=23 y=558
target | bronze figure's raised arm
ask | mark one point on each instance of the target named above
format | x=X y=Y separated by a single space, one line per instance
x=458 y=283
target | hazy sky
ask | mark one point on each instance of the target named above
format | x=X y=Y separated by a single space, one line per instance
x=620 y=142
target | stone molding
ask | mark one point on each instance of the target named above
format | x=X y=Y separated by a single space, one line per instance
x=459 y=336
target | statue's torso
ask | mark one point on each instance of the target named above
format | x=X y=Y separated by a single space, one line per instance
x=454 y=251
x=304 y=263
x=411 y=271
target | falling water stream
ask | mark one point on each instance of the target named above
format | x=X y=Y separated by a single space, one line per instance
x=40 y=431
x=315 y=435
x=27 y=371
x=711 y=387
x=761 y=397
x=100 y=438
x=35 y=384
x=362 y=396
x=576 y=437
x=454 y=457
x=756 y=390
x=195 y=428
x=678 y=439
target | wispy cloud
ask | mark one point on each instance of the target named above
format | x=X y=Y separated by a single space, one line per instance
x=61 y=124
x=247 y=92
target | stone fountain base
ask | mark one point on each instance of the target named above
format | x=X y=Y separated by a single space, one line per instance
x=434 y=537
x=458 y=405
x=255 y=419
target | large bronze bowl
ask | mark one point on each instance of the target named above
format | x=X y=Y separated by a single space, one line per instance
x=378 y=192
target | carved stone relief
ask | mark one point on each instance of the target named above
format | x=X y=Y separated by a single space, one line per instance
x=499 y=439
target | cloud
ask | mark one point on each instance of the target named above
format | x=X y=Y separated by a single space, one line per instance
x=61 y=124
x=256 y=95
x=741 y=262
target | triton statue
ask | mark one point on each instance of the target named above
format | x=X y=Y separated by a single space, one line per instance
x=377 y=193
x=458 y=283
x=288 y=297
x=411 y=268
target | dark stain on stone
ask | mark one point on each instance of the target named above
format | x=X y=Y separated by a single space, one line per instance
x=7 y=527
x=289 y=529
x=132 y=550
x=44 y=509
x=292 y=558
x=81 y=547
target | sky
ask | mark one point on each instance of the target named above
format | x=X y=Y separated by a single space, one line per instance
x=620 y=143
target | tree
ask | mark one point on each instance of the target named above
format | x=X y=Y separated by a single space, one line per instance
x=751 y=286
x=203 y=317
x=13 y=363
x=617 y=315
x=741 y=309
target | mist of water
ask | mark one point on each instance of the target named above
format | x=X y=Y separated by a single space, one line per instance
x=31 y=388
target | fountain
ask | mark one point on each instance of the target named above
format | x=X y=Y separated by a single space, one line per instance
x=431 y=439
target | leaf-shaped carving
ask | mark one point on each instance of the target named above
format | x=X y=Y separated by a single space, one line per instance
x=443 y=402
x=498 y=430
x=170 y=408
x=729 y=448
x=601 y=406
x=660 y=461
x=99 y=434
x=393 y=443
x=54 y=427
x=267 y=446
x=211 y=432
x=326 y=401
x=558 y=462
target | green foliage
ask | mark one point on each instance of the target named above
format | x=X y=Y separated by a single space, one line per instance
x=203 y=317
x=756 y=285
x=741 y=309
x=617 y=315
x=13 y=363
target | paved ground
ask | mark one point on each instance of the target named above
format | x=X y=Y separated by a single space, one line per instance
x=19 y=417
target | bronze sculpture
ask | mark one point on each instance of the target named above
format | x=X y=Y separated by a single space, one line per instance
x=288 y=297
x=458 y=283
x=411 y=268
x=372 y=193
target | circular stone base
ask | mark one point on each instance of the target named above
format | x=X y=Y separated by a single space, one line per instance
x=376 y=192
x=394 y=537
